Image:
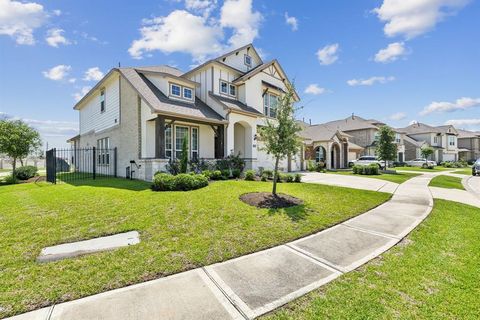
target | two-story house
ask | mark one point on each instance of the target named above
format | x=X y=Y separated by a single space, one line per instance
x=146 y=112
x=363 y=133
x=468 y=145
x=443 y=139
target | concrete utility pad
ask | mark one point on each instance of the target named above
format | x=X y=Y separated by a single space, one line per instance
x=188 y=295
x=262 y=281
x=344 y=247
x=68 y=250
x=383 y=222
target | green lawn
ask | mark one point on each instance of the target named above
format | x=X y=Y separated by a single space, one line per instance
x=178 y=231
x=467 y=171
x=447 y=182
x=432 y=274
x=400 y=177
x=435 y=169
x=5 y=170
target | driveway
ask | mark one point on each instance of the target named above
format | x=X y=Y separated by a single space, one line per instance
x=350 y=181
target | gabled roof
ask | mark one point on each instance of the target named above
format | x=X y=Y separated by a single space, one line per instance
x=320 y=132
x=160 y=103
x=413 y=141
x=467 y=134
x=351 y=123
x=233 y=104
x=240 y=49
x=418 y=128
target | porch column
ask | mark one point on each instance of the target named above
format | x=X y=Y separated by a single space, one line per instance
x=220 y=142
x=160 y=137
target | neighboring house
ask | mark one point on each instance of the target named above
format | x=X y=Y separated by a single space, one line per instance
x=322 y=143
x=468 y=145
x=363 y=136
x=443 y=139
x=145 y=112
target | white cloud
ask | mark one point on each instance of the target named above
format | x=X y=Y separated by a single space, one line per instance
x=19 y=19
x=370 y=81
x=93 y=74
x=398 y=116
x=205 y=7
x=57 y=12
x=200 y=36
x=72 y=80
x=391 y=53
x=239 y=15
x=445 y=106
x=180 y=31
x=412 y=122
x=52 y=128
x=57 y=73
x=291 y=21
x=328 y=54
x=411 y=18
x=315 y=89
x=473 y=124
x=79 y=95
x=55 y=37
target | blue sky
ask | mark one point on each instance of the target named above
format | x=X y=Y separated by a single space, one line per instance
x=393 y=60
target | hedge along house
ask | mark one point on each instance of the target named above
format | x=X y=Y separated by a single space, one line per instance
x=146 y=112
x=331 y=146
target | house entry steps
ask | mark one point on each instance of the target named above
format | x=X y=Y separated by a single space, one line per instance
x=252 y=285
x=74 y=249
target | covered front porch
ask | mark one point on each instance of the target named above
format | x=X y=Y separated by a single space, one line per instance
x=334 y=154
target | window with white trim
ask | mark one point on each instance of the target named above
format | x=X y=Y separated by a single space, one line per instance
x=102 y=100
x=103 y=151
x=397 y=137
x=187 y=93
x=248 y=60
x=194 y=144
x=223 y=87
x=435 y=139
x=270 y=102
x=174 y=136
x=175 y=90
x=181 y=133
x=451 y=141
x=233 y=90
x=168 y=141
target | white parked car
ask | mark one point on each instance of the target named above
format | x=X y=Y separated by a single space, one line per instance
x=366 y=160
x=421 y=162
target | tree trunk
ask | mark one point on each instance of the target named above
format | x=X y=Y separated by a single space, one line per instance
x=21 y=162
x=14 y=165
x=275 y=177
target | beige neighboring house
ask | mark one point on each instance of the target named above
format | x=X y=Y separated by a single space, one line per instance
x=146 y=112
x=332 y=146
x=443 y=139
x=363 y=134
x=468 y=145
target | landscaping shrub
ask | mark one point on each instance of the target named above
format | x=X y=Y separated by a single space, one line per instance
x=311 y=166
x=225 y=174
x=263 y=178
x=180 y=182
x=371 y=169
x=289 y=177
x=268 y=174
x=10 y=179
x=250 y=175
x=320 y=166
x=25 y=172
x=236 y=173
x=231 y=162
x=173 y=166
x=216 y=175
x=207 y=174
x=298 y=177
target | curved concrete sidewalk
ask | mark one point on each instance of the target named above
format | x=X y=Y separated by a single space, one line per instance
x=252 y=285
x=350 y=181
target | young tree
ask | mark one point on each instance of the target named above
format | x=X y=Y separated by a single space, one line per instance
x=426 y=152
x=17 y=139
x=280 y=135
x=184 y=158
x=386 y=149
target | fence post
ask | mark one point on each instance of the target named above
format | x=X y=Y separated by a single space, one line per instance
x=115 y=162
x=55 y=165
x=94 y=162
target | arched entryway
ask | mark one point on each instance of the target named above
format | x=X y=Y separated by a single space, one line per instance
x=242 y=143
x=335 y=156
x=320 y=154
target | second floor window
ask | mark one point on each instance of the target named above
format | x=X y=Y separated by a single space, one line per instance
x=248 y=60
x=187 y=93
x=102 y=100
x=224 y=87
x=435 y=140
x=175 y=90
x=397 y=137
x=228 y=88
x=451 y=141
x=270 y=102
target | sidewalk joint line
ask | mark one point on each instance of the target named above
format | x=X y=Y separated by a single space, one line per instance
x=376 y=233
x=311 y=256
x=50 y=312
x=225 y=294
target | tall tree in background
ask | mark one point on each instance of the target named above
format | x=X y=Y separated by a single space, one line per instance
x=386 y=149
x=18 y=139
x=280 y=135
x=426 y=152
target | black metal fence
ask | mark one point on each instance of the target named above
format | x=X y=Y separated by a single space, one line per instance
x=74 y=164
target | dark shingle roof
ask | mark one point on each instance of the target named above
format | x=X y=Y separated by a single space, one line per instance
x=159 y=102
x=351 y=123
x=320 y=132
x=234 y=104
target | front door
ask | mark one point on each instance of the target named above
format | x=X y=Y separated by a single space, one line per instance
x=400 y=157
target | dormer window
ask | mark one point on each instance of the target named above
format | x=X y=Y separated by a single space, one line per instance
x=224 y=87
x=233 y=90
x=187 y=93
x=228 y=89
x=102 y=100
x=175 y=90
x=248 y=60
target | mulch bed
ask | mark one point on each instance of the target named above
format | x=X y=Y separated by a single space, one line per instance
x=267 y=200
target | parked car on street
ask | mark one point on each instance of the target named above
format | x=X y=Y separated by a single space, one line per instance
x=421 y=162
x=366 y=160
x=476 y=168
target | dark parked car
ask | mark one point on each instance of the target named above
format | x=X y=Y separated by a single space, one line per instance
x=476 y=168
